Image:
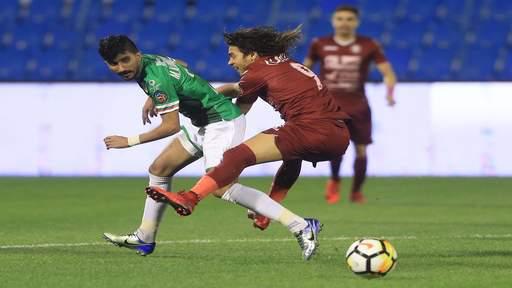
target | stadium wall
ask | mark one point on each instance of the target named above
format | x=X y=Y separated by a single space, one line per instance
x=441 y=129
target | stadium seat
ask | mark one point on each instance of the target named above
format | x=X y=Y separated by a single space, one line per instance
x=431 y=40
x=434 y=64
x=478 y=64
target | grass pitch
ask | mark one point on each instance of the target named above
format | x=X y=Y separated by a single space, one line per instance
x=449 y=232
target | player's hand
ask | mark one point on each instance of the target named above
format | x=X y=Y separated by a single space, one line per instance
x=391 y=100
x=116 y=142
x=148 y=110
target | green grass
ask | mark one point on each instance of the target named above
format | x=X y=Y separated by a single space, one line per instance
x=449 y=232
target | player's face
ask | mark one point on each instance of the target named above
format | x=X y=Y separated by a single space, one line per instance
x=239 y=60
x=126 y=65
x=344 y=22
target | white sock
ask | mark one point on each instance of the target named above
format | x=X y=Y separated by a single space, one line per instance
x=153 y=211
x=261 y=203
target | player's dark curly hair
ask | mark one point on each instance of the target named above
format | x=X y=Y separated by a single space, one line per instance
x=264 y=40
x=113 y=45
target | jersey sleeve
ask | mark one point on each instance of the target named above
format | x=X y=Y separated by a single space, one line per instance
x=163 y=93
x=313 y=50
x=250 y=87
x=378 y=54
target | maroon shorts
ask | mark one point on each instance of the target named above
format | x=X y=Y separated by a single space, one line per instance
x=311 y=140
x=360 y=126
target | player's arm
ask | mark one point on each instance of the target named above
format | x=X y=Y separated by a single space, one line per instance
x=308 y=62
x=231 y=90
x=388 y=74
x=148 y=110
x=170 y=125
x=312 y=55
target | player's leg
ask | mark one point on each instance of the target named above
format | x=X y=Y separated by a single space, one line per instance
x=284 y=179
x=360 y=164
x=333 y=186
x=172 y=159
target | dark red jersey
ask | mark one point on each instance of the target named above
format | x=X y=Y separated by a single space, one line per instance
x=344 y=68
x=291 y=88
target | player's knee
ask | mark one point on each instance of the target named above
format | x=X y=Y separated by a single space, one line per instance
x=240 y=154
x=160 y=168
x=361 y=151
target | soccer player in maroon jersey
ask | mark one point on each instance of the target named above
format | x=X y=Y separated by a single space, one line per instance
x=314 y=128
x=344 y=60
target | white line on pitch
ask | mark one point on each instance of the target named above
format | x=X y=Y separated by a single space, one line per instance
x=246 y=240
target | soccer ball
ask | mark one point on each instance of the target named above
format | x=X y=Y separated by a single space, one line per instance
x=371 y=258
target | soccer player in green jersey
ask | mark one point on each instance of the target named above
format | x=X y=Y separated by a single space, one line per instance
x=171 y=89
x=219 y=126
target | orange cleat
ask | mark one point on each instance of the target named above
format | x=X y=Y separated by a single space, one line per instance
x=183 y=202
x=332 y=191
x=259 y=221
x=357 y=197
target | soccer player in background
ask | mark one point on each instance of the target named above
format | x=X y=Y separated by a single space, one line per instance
x=314 y=128
x=171 y=88
x=344 y=60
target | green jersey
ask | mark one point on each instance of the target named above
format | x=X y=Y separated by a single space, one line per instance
x=172 y=86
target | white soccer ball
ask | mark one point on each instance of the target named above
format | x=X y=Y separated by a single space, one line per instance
x=371 y=258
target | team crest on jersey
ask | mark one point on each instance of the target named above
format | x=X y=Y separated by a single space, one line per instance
x=160 y=96
x=356 y=49
x=330 y=48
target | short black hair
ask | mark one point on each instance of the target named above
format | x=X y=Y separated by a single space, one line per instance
x=347 y=8
x=113 y=45
x=264 y=40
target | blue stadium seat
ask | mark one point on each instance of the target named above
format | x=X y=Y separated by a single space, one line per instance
x=418 y=10
x=13 y=65
x=506 y=73
x=321 y=27
x=50 y=65
x=378 y=11
x=445 y=35
x=478 y=63
x=434 y=64
x=491 y=33
x=408 y=34
x=374 y=30
x=257 y=12
x=399 y=58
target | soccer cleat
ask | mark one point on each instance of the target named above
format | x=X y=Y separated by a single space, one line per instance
x=357 y=197
x=332 y=191
x=259 y=221
x=131 y=241
x=183 y=202
x=308 y=238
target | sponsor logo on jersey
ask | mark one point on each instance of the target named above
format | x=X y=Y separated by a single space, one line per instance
x=160 y=96
x=355 y=48
x=330 y=48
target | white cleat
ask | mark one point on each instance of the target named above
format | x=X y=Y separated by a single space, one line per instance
x=131 y=241
x=308 y=238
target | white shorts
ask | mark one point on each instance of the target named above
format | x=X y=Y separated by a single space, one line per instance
x=212 y=140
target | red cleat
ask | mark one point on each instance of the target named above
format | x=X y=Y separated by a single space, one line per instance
x=259 y=221
x=357 y=197
x=183 y=202
x=332 y=191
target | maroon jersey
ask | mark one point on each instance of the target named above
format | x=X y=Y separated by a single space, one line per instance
x=290 y=87
x=344 y=68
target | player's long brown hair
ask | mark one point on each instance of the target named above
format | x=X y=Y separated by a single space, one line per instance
x=264 y=40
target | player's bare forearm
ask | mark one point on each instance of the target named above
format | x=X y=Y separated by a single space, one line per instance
x=231 y=90
x=308 y=63
x=389 y=77
x=170 y=125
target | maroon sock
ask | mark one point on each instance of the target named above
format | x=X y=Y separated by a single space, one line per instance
x=335 y=168
x=234 y=161
x=359 y=174
x=284 y=179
